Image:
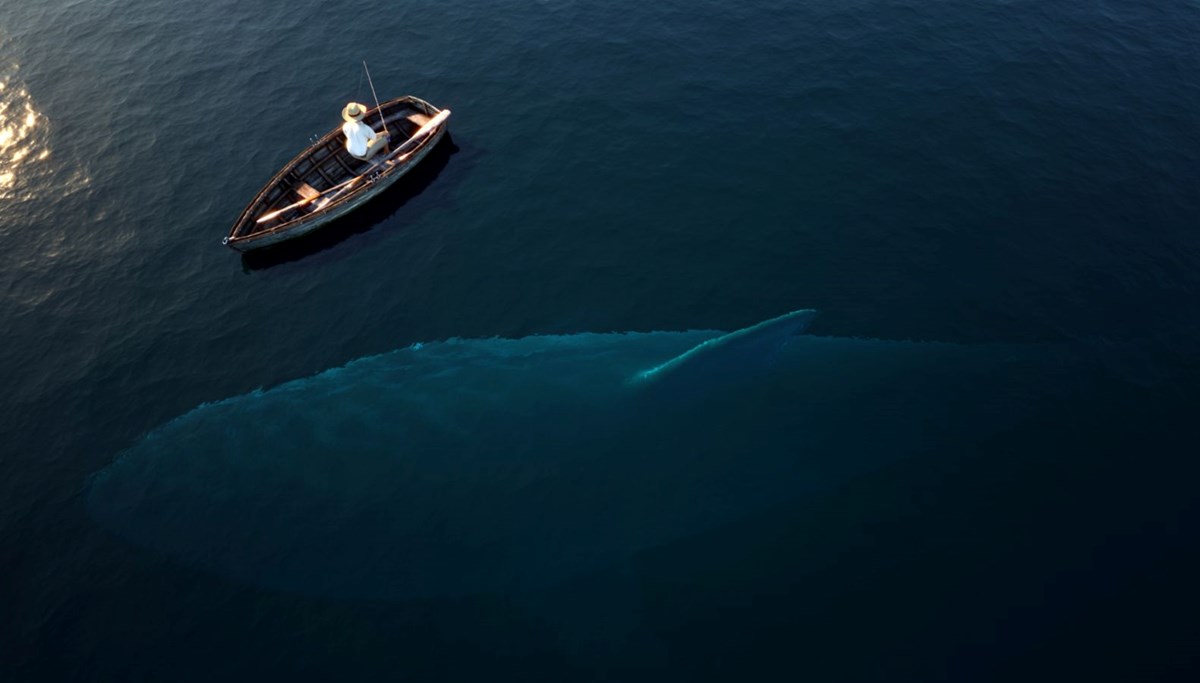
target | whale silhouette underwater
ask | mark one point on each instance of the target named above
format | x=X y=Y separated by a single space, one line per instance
x=490 y=465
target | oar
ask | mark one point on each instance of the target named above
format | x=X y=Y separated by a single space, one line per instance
x=346 y=184
x=268 y=216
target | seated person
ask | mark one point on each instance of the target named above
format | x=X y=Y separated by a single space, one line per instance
x=361 y=140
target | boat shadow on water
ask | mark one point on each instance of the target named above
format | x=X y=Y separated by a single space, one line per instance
x=365 y=219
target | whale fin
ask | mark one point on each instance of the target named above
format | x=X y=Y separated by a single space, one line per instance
x=729 y=355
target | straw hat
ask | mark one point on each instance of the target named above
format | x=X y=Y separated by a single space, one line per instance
x=353 y=111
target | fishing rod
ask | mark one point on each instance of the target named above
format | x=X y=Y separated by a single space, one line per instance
x=377 y=107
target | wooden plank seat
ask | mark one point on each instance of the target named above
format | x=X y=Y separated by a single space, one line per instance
x=307 y=191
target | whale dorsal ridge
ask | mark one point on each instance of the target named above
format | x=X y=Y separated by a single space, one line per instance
x=728 y=354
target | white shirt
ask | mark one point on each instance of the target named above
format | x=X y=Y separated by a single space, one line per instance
x=358 y=137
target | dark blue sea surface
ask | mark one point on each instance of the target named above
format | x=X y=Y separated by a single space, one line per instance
x=1006 y=191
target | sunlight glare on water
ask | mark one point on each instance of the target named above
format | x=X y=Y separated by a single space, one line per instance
x=23 y=136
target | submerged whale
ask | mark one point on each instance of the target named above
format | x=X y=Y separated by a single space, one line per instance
x=490 y=465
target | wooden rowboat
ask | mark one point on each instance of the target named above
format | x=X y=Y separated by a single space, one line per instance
x=326 y=182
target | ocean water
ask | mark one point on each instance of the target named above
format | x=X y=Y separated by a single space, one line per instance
x=1016 y=174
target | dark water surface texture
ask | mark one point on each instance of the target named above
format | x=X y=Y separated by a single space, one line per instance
x=1002 y=178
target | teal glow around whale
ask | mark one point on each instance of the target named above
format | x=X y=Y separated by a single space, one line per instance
x=469 y=466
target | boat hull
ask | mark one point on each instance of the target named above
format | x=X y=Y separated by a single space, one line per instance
x=245 y=236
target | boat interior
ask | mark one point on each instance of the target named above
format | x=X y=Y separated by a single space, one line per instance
x=305 y=182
